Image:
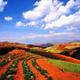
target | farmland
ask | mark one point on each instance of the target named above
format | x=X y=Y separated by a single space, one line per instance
x=30 y=62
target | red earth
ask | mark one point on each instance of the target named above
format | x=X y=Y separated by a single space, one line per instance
x=56 y=73
x=53 y=71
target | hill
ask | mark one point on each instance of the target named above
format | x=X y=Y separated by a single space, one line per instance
x=70 y=49
x=60 y=47
x=31 y=62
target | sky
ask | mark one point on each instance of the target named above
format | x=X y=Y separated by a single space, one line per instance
x=39 y=21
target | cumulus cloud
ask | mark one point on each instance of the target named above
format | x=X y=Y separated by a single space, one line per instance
x=62 y=16
x=8 y=18
x=2 y=5
x=51 y=14
x=39 y=11
x=58 y=10
x=62 y=21
x=20 y=23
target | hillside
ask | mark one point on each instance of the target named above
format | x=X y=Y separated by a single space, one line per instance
x=70 y=49
x=31 y=62
x=60 y=47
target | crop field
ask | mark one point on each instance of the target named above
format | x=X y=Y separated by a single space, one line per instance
x=19 y=64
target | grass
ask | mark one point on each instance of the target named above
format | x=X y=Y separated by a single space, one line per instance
x=66 y=66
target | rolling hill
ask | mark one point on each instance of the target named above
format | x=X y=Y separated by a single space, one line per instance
x=31 y=62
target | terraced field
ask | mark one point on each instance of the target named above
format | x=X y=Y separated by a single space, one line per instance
x=22 y=65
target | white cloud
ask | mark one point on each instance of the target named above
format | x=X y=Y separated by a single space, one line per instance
x=51 y=14
x=49 y=35
x=8 y=18
x=39 y=11
x=33 y=36
x=2 y=5
x=62 y=21
x=57 y=18
x=71 y=28
x=67 y=7
x=49 y=8
x=20 y=23
x=32 y=23
x=52 y=37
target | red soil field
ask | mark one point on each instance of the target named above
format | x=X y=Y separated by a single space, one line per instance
x=16 y=51
x=70 y=76
x=56 y=73
x=37 y=73
x=4 y=68
x=52 y=70
x=19 y=75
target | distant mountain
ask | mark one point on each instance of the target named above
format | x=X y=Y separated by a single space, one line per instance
x=45 y=45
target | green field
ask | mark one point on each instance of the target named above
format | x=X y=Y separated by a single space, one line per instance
x=66 y=66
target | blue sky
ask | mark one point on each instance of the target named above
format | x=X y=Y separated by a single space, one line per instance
x=39 y=21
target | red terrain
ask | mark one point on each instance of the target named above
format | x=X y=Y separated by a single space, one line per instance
x=40 y=64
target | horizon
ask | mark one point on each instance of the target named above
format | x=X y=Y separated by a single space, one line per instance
x=40 y=21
